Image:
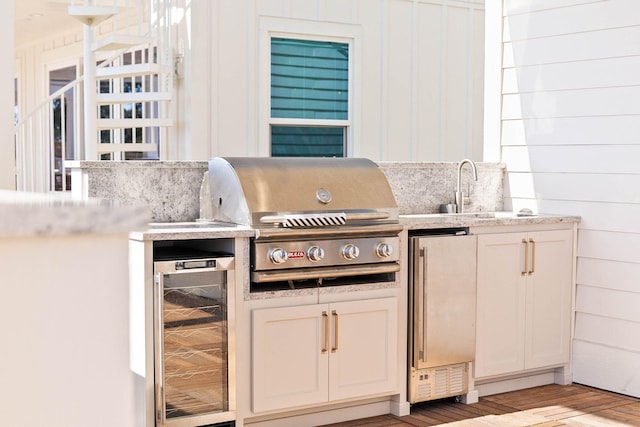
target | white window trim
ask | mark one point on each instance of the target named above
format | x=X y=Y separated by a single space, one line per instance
x=306 y=30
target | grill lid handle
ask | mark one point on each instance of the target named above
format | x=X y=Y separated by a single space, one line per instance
x=323 y=219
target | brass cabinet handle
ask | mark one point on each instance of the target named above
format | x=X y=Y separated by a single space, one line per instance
x=335 y=326
x=533 y=256
x=326 y=332
x=526 y=257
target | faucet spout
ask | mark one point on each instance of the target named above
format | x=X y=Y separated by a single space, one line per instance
x=459 y=193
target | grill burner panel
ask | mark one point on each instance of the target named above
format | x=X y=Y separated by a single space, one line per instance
x=335 y=252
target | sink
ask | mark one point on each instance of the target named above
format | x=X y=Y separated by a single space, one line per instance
x=500 y=214
x=471 y=214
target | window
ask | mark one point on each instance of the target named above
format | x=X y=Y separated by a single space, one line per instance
x=309 y=98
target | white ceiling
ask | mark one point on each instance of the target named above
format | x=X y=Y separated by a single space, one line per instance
x=39 y=18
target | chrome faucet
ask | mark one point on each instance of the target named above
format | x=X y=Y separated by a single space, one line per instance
x=459 y=193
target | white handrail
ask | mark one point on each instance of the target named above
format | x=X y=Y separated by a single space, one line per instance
x=41 y=149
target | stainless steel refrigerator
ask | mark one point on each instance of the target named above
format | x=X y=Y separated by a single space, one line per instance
x=442 y=313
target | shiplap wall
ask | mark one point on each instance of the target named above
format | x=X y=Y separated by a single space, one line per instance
x=417 y=81
x=571 y=142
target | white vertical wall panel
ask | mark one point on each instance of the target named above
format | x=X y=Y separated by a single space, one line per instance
x=475 y=104
x=304 y=9
x=430 y=82
x=341 y=11
x=457 y=85
x=371 y=141
x=274 y=8
x=398 y=81
x=418 y=74
x=230 y=137
x=571 y=139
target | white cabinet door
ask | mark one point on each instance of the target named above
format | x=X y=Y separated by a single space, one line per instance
x=548 y=324
x=524 y=301
x=500 y=305
x=312 y=354
x=290 y=365
x=364 y=336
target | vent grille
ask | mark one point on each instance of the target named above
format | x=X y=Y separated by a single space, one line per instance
x=441 y=384
x=437 y=383
x=314 y=220
x=457 y=379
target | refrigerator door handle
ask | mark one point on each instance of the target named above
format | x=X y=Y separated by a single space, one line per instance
x=420 y=304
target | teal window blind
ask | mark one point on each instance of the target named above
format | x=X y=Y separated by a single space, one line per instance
x=307 y=141
x=309 y=82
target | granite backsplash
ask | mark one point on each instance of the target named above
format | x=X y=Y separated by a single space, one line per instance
x=171 y=189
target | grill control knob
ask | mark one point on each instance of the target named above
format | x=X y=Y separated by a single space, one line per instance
x=350 y=251
x=384 y=250
x=278 y=256
x=315 y=253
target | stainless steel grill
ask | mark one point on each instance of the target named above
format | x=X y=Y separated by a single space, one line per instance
x=317 y=220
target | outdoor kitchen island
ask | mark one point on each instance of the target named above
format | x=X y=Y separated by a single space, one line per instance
x=65 y=330
x=419 y=188
x=301 y=311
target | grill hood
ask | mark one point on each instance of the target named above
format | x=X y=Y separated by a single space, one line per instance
x=299 y=192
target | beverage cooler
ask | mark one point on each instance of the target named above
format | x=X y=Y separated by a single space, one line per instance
x=442 y=311
x=193 y=320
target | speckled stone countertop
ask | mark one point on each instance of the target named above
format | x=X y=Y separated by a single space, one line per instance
x=191 y=230
x=480 y=219
x=36 y=214
x=206 y=230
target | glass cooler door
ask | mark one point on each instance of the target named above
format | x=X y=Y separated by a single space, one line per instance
x=192 y=384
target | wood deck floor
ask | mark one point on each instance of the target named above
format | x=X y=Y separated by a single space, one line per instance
x=546 y=406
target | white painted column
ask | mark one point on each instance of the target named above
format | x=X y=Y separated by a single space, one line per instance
x=90 y=115
x=7 y=141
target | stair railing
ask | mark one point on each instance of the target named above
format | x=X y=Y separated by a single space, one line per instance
x=43 y=141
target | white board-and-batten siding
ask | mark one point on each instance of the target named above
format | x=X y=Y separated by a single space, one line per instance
x=570 y=136
x=416 y=82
